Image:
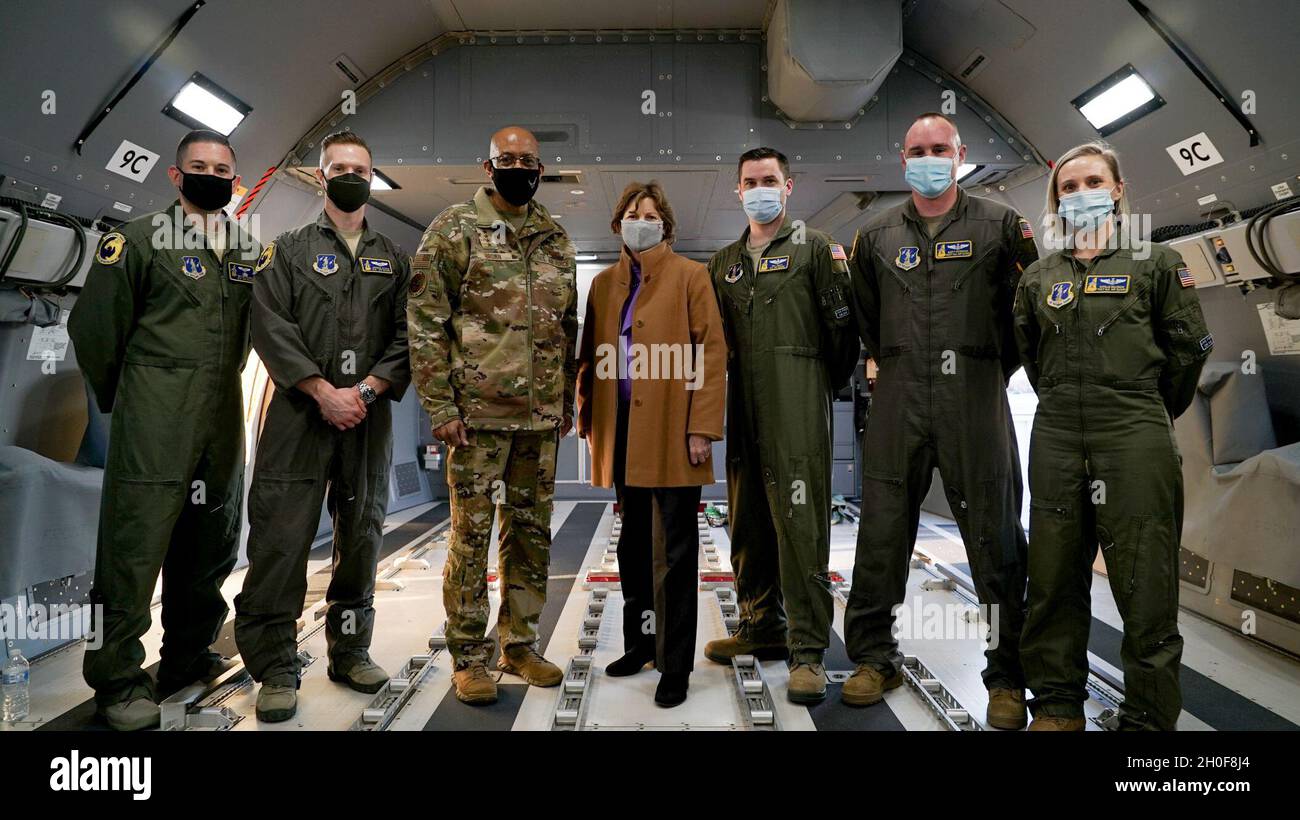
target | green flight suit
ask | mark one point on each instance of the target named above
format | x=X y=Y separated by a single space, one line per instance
x=320 y=311
x=935 y=314
x=161 y=332
x=791 y=345
x=1114 y=346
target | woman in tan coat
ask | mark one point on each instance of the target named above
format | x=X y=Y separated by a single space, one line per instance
x=651 y=381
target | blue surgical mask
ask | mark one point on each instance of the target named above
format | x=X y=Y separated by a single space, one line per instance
x=929 y=176
x=1086 y=210
x=763 y=204
x=642 y=234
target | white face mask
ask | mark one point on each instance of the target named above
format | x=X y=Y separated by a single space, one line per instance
x=642 y=234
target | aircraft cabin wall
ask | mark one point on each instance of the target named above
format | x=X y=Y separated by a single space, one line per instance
x=677 y=107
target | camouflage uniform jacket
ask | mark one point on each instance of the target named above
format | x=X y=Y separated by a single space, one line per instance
x=493 y=319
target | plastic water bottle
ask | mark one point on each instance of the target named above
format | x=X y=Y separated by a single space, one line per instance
x=17 y=674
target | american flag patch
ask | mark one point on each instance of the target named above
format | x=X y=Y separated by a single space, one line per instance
x=1026 y=232
x=837 y=252
x=1185 y=277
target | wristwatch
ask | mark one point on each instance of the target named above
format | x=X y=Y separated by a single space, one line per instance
x=368 y=394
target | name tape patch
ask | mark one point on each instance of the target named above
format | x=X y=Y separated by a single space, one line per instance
x=236 y=272
x=960 y=249
x=1102 y=283
x=369 y=265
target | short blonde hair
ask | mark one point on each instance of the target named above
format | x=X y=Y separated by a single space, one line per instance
x=632 y=196
x=1087 y=149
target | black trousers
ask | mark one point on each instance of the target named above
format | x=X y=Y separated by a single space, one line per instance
x=658 y=564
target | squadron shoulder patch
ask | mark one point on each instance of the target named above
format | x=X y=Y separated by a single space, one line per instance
x=325 y=264
x=773 y=263
x=960 y=249
x=734 y=273
x=1061 y=294
x=908 y=257
x=192 y=267
x=370 y=265
x=1206 y=341
x=111 y=247
x=268 y=253
x=236 y=272
x=418 y=284
x=1100 y=283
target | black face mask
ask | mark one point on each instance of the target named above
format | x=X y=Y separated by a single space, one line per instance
x=516 y=185
x=208 y=192
x=348 y=191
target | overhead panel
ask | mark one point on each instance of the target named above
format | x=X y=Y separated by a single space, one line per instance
x=559 y=96
x=716 y=95
x=398 y=124
x=688 y=192
x=587 y=102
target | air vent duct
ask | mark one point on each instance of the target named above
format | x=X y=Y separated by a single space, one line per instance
x=826 y=58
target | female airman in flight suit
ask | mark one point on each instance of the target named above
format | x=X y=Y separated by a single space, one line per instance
x=1113 y=340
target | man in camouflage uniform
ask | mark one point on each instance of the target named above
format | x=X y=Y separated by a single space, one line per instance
x=493 y=326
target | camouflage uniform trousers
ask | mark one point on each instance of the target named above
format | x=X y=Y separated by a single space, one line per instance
x=515 y=470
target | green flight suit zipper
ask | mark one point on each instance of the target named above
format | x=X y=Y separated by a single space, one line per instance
x=972 y=266
x=1128 y=303
x=928 y=253
x=889 y=266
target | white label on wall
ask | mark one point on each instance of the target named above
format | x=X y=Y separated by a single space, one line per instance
x=50 y=343
x=1194 y=154
x=122 y=206
x=132 y=161
x=1282 y=190
x=1207 y=199
x=51 y=202
x=1283 y=334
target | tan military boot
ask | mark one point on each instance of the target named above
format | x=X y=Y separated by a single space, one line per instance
x=1007 y=709
x=474 y=685
x=807 y=683
x=1051 y=723
x=527 y=664
x=131 y=715
x=277 y=700
x=724 y=649
x=867 y=685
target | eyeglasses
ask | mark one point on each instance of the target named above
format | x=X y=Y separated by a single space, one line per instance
x=530 y=161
